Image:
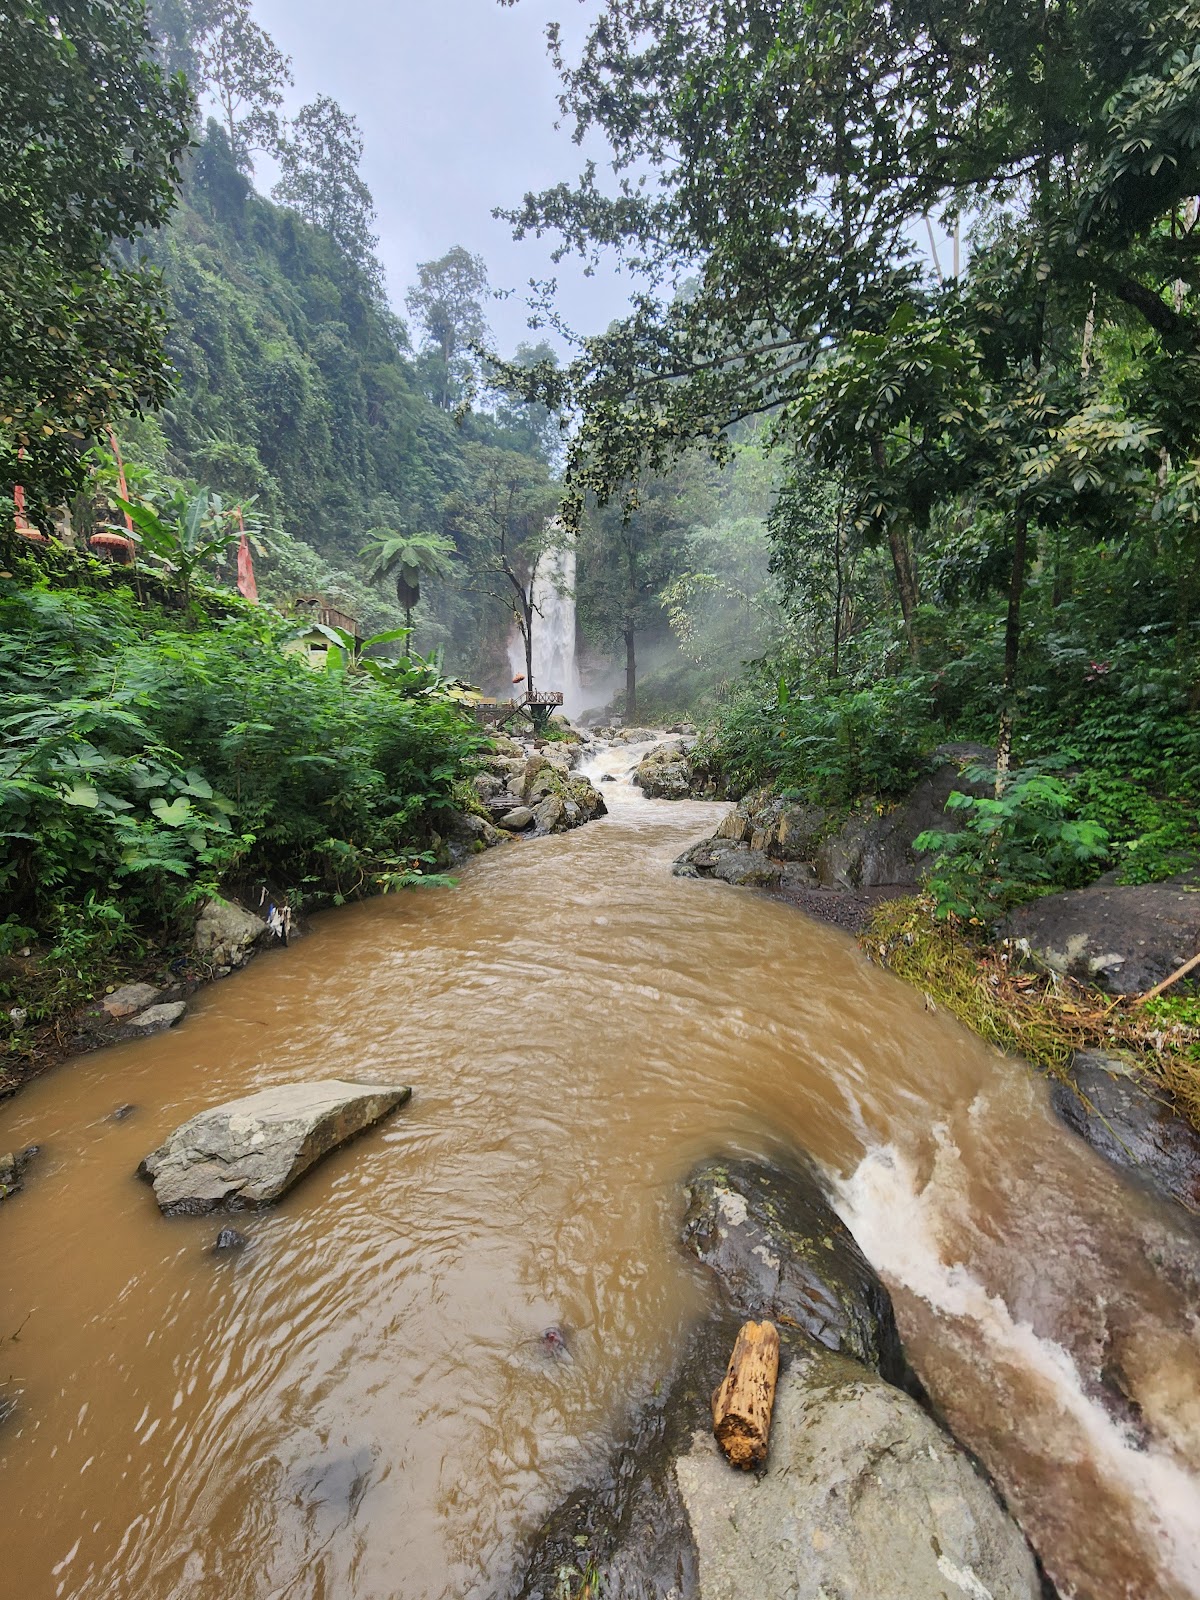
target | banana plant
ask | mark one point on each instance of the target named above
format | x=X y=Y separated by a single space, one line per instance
x=411 y=676
x=190 y=532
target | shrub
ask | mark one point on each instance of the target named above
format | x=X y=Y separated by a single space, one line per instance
x=1023 y=842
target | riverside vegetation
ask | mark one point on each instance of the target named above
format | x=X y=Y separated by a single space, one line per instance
x=944 y=490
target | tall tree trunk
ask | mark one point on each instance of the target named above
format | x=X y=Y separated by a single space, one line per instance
x=1012 y=652
x=902 y=557
x=840 y=595
x=631 y=599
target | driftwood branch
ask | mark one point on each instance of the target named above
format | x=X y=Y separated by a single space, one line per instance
x=742 y=1404
x=1180 y=972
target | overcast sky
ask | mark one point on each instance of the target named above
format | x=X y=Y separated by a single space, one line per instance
x=456 y=101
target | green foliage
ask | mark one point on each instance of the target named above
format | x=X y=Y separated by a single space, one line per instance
x=832 y=748
x=319 y=159
x=191 y=533
x=144 y=764
x=90 y=133
x=1012 y=846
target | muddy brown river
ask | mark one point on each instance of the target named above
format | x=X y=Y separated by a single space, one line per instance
x=359 y=1406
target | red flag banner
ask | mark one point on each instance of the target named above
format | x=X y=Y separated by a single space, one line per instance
x=246 y=582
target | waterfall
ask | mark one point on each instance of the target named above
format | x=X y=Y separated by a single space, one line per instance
x=554 y=662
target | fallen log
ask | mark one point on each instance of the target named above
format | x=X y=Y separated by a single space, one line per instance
x=742 y=1403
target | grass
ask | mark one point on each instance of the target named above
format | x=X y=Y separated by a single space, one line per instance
x=1038 y=1015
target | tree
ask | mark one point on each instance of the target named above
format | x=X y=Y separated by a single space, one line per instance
x=630 y=550
x=539 y=430
x=406 y=558
x=506 y=521
x=245 y=72
x=318 y=163
x=797 y=154
x=91 y=132
x=447 y=306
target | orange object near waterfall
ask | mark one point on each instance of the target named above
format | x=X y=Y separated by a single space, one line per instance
x=246 y=581
x=109 y=543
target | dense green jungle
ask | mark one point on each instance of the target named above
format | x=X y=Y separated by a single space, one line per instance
x=896 y=448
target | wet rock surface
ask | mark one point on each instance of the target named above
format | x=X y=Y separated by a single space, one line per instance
x=1126 y=1121
x=249 y=1152
x=13 y=1168
x=728 y=862
x=863 y=1496
x=781 y=1252
x=226 y=933
x=1124 y=937
x=869 y=850
x=229 y=1240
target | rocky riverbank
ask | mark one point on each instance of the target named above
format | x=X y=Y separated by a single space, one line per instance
x=526 y=787
x=862 y=1494
x=1136 y=1105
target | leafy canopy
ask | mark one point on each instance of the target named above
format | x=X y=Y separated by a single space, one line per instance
x=91 y=132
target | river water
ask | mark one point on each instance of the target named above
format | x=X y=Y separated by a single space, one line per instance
x=360 y=1406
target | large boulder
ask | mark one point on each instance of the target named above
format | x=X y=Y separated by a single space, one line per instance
x=863 y=1497
x=874 y=847
x=666 y=773
x=870 y=849
x=780 y=1251
x=700 y=860
x=1122 y=1117
x=226 y=934
x=747 y=869
x=248 y=1153
x=1124 y=937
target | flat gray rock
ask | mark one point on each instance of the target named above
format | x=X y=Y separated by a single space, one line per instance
x=863 y=1497
x=249 y=1152
x=1123 y=937
x=156 y=1018
x=130 y=997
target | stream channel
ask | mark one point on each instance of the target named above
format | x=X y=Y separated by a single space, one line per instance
x=359 y=1405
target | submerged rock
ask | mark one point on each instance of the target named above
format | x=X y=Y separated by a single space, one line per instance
x=1124 y=937
x=251 y=1151
x=1121 y=1117
x=225 y=933
x=781 y=1252
x=13 y=1169
x=229 y=1239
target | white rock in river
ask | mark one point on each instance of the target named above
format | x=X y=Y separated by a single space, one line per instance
x=225 y=933
x=251 y=1151
x=864 y=1497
